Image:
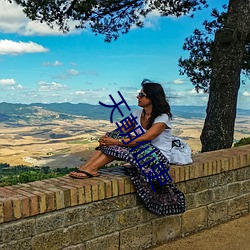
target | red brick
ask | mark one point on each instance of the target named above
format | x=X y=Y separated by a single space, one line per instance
x=87 y=193
x=181 y=174
x=210 y=168
x=78 y=184
x=41 y=202
x=173 y=172
x=94 y=192
x=43 y=193
x=121 y=185
x=39 y=183
x=25 y=205
x=114 y=184
x=73 y=195
x=127 y=185
x=224 y=164
x=187 y=172
x=201 y=170
x=6 y=192
x=66 y=195
x=33 y=200
x=1 y=211
x=108 y=189
x=107 y=186
x=94 y=182
x=101 y=191
x=7 y=209
x=17 y=210
x=191 y=171
x=132 y=188
x=197 y=168
x=59 y=198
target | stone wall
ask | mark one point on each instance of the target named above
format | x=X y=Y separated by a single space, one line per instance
x=105 y=213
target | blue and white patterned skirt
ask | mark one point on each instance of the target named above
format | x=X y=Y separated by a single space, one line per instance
x=160 y=197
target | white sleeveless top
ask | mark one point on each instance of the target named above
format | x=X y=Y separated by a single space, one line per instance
x=163 y=141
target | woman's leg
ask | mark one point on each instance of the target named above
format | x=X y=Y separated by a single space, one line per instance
x=96 y=154
x=98 y=160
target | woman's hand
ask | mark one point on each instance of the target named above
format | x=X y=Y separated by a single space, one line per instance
x=107 y=141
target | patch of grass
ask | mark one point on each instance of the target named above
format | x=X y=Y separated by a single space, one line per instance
x=23 y=174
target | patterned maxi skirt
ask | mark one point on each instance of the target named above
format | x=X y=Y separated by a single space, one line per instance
x=159 y=197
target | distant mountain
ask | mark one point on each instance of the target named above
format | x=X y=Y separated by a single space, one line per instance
x=10 y=112
x=189 y=111
x=93 y=112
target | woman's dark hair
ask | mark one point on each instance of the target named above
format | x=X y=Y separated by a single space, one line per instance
x=155 y=93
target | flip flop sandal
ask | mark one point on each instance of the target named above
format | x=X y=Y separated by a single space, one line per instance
x=87 y=175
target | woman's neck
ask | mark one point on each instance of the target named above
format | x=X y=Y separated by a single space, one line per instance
x=147 y=111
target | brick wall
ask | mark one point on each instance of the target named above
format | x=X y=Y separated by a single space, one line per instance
x=105 y=213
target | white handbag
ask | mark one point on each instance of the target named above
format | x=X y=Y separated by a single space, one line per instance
x=180 y=152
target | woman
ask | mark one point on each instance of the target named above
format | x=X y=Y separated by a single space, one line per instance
x=145 y=152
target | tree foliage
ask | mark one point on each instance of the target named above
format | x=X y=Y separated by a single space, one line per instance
x=198 y=66
x=108 y=17
x=243 y=141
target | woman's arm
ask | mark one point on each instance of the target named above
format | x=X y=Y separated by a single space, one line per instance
x=103 y=139
x=150 y=134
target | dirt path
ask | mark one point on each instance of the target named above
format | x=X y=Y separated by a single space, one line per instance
x=233 y=235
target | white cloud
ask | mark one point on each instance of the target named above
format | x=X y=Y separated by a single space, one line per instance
x=187 y=97
x=192 y=92
x=10 y=84
x=178 y=81
x=152 y=19
x=13 y=20
x=92 y=95
x=80 y=92
x=7 y=82
x=15 y=48
x=73 y=72
x=55 y=63
x=19 y=86
x=51 y=86
x=246 y=93
x=180 y=94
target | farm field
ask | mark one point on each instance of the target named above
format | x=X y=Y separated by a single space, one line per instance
x=62 y=143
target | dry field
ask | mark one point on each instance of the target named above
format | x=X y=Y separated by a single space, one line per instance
x=75 y=140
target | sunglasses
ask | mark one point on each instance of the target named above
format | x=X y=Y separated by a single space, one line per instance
x=140 y=94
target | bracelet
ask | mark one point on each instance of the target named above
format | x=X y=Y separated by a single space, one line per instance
x=119 y=142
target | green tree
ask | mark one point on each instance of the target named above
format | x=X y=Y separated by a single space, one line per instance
x=198 y=67
x=227 y=59
x=112 y=18
x=108 y=17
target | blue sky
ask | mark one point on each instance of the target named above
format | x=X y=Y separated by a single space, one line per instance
x=38 y=64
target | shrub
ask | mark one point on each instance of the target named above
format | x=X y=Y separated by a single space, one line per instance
x=21 y=174
x=242 y=142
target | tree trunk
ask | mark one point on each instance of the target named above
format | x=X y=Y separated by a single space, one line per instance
x=227 y=56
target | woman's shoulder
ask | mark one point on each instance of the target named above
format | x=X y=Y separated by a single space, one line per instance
x=163 y=116
x=137 y=112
